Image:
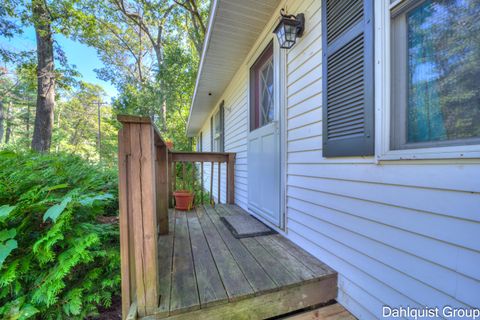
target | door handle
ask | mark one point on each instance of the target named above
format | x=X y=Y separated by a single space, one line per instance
x=276 y=125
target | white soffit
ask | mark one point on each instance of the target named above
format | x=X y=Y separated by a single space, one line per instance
x=233 y=27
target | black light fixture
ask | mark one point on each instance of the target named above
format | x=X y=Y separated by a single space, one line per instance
x=289 y=28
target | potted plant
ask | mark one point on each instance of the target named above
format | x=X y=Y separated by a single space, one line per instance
x=183 y=200
x=169 y=144
x=185 y=195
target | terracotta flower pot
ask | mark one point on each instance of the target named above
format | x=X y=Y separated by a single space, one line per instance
x=169 y=144
x=183 y=200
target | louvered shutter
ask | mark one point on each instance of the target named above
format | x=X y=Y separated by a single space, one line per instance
x=222 y=127
x=348 y=111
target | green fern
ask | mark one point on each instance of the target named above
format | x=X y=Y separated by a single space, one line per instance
x=64 y=264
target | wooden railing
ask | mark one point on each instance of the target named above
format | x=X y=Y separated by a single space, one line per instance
x=214 y=160
x=147 y=178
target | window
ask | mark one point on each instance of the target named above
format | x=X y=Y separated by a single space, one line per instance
x=217 y=130
x=261 y=90
x=435 y=74
x=200 y=142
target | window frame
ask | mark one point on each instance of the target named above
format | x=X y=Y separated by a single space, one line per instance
x=200 y=142
x=217 y=138
x=385 y=11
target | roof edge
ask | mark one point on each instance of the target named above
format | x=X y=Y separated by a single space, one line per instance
x=206 y=43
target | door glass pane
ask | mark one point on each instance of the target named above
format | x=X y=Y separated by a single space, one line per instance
x=443 y=40
x=266 y=93
x=262 y=105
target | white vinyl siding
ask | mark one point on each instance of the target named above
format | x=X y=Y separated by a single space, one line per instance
x=398 y=232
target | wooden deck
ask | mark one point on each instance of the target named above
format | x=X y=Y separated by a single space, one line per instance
x=206 y=273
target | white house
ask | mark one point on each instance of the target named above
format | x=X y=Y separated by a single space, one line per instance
x=361 y=143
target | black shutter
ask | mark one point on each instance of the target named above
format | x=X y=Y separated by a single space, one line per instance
x=222 y=126
x=211 y=134
x=348 y=101
x=201 y=142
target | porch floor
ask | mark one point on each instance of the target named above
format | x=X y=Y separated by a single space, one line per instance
x=206 y=273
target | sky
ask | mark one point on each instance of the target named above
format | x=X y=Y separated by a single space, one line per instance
x=82 y=56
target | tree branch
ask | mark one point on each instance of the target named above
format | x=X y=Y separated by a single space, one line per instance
x=193 y=9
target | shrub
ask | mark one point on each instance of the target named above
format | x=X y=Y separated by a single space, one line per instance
x=59 y=247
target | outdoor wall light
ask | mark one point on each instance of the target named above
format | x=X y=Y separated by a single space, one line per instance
x=289 y=28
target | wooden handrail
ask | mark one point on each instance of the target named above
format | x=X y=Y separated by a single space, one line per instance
x=213 y=158
x=187 y=156
x=147 y=179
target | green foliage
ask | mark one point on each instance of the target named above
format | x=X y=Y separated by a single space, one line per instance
x=190 y=180
x=180 y=70
x=77 y=129
x=57 y=259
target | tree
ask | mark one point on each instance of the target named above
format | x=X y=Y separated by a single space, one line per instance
x=8 y=29
x=76 y=124
x=17 y=95
x=42 y=132
x=132 y=37
x=197 y=16
x=150 y=51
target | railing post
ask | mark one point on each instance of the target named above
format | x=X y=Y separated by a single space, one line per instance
x=125 y=252
x=170 y=180
x=162 y=188
x=219 y=182
x=231 y=178
x=174 y=179
x=201 y=181
x=139 y=193
x=211 y=182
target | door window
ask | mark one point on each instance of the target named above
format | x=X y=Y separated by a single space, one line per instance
x=262 y=90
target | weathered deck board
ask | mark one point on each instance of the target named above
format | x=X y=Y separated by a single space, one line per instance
x=276 y=271
x=165 y=256
x=232 y=277
x=255 y=274
x=206 y=273
x=210 y=287
x=286 y=259
x=184 y=294
x=319 y=268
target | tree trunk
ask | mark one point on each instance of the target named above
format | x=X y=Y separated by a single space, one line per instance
x=42 y=131
x=2 y=120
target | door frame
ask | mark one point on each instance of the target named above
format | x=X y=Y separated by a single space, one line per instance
x=280 y=83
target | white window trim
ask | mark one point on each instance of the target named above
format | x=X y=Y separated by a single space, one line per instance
x=383 y=103
x=216 y=135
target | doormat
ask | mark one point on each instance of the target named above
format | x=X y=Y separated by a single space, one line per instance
x=245 y=226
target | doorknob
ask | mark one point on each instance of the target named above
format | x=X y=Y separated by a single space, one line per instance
x=276 y=125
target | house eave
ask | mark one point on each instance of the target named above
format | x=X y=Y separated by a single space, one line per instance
x=233 y=28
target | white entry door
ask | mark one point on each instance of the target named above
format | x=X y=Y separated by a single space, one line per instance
x=264 y=141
